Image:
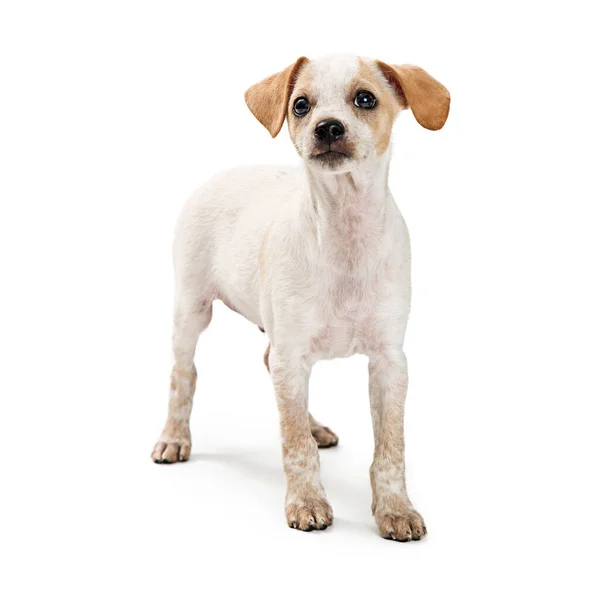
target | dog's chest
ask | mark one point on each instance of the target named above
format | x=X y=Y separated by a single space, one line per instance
x=347 y=321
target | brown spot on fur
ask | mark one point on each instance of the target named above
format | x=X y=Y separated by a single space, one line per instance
x=380 y=119
x=269 y=98
x=303 y=87
x=428 y=99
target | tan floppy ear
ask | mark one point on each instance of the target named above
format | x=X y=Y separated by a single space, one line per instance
x=428 y=99
x=268 y=99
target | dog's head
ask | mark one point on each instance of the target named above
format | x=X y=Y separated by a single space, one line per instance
x=341 y=109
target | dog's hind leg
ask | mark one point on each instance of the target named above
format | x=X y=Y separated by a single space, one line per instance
x=190 y=321
x=324 y=437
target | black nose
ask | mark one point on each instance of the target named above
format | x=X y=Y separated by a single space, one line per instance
x=329 y=130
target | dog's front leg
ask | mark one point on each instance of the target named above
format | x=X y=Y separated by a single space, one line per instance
x=394 y=514
x=306 y=505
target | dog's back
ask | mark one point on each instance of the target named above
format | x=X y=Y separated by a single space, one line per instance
x=219 y=233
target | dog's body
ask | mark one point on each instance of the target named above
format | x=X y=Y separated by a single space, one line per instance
x=319 y=258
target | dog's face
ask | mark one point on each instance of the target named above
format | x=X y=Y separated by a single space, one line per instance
x=341 y=109
x=340 y=112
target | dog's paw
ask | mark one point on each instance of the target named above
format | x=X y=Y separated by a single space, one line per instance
x=401 y=526
x=324 y=437
x=309 y=513
x=172 y=450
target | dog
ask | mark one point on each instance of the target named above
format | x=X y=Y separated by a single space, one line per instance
x=319 y=258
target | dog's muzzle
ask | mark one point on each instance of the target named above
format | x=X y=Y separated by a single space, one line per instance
x=330 y=147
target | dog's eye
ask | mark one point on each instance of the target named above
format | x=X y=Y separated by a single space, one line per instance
x=301 y=106
x=365 y=99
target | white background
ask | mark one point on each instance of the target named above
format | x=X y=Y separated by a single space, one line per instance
x=111 y=114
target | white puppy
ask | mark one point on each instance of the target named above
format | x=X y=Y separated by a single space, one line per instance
x=319 y=258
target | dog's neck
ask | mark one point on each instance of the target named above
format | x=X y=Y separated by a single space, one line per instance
x=349 y=213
